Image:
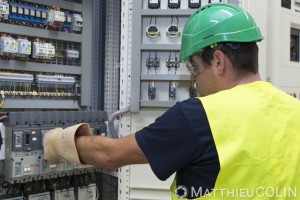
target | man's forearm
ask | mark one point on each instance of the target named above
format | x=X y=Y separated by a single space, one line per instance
x=95 y=150
x=109 y=153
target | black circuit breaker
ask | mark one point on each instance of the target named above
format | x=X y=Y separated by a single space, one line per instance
x=26 y=138
x=194 y=3
x=174 y=4
x=154 y=4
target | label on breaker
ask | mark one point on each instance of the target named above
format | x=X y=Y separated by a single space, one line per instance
x=26 y=11
x=38 y=13
x=194 y=1
x=32 y=13
x=173 y=1
x=14 y=9
x=18 y=143
x=215 y=1
x=20 y=10
x=44 y=15
x=153 y=1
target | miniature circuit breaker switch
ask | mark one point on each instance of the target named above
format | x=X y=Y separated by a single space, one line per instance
x=76 y=23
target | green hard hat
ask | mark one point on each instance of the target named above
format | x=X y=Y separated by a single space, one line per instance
x=217 y=22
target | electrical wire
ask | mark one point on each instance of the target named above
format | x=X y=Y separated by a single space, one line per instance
x=3 y=99
x=3 y=117
x=112 y=118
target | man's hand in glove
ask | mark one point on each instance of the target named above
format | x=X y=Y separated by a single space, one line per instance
x=76 y=145
x=60 y=143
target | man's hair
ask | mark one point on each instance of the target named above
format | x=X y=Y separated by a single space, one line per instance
x=243 y=56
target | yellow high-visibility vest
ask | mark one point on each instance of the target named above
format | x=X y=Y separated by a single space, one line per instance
x=256 y=130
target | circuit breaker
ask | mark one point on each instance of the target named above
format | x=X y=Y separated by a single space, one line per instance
x=24 y=47
x=194 y=3
x=76 y=24
x=154 y=4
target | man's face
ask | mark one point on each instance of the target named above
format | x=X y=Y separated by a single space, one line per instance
x=204 y=76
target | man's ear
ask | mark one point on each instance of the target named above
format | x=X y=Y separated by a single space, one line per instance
x=219 y=62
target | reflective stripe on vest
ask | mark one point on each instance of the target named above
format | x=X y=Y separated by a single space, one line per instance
x=256 y=129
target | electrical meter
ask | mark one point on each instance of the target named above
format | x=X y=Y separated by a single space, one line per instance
x=174 y=3
x=152 y=31
x=154 y=4
x=173 y=31
x=194 y=3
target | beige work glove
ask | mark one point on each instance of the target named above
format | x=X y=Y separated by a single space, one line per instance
x=60 y=143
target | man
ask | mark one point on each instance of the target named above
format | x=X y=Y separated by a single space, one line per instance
x=241 y=135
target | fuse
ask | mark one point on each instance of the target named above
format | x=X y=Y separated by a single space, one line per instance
x=174 y=3
x=193 y=89
x=156 y=62
x=194 y=4
x=154 y=4
x=149 y=63
x=170 y=63
x=172 y=90
x=151 y=90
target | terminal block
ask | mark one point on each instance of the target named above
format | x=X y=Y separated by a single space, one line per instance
x=72 y=54
x=16 y=78
x=56 y=80
x=76 y=23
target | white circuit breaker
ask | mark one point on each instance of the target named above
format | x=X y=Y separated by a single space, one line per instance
x=24 y=47
x=72 y=54
x=8 y=45
x=76 y=24
x=55 y=16
x=43 y=50
x=4 y=9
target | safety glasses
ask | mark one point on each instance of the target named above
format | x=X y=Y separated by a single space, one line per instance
x=190 y=66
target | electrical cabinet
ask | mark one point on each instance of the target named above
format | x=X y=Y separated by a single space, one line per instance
x=22 y=157
x=46 y=38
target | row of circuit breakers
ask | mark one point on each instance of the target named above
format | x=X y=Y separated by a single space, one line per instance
x=14 y=84
x=175 y=4
x=38 y=16
x=22 y=156
x=23 y=47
